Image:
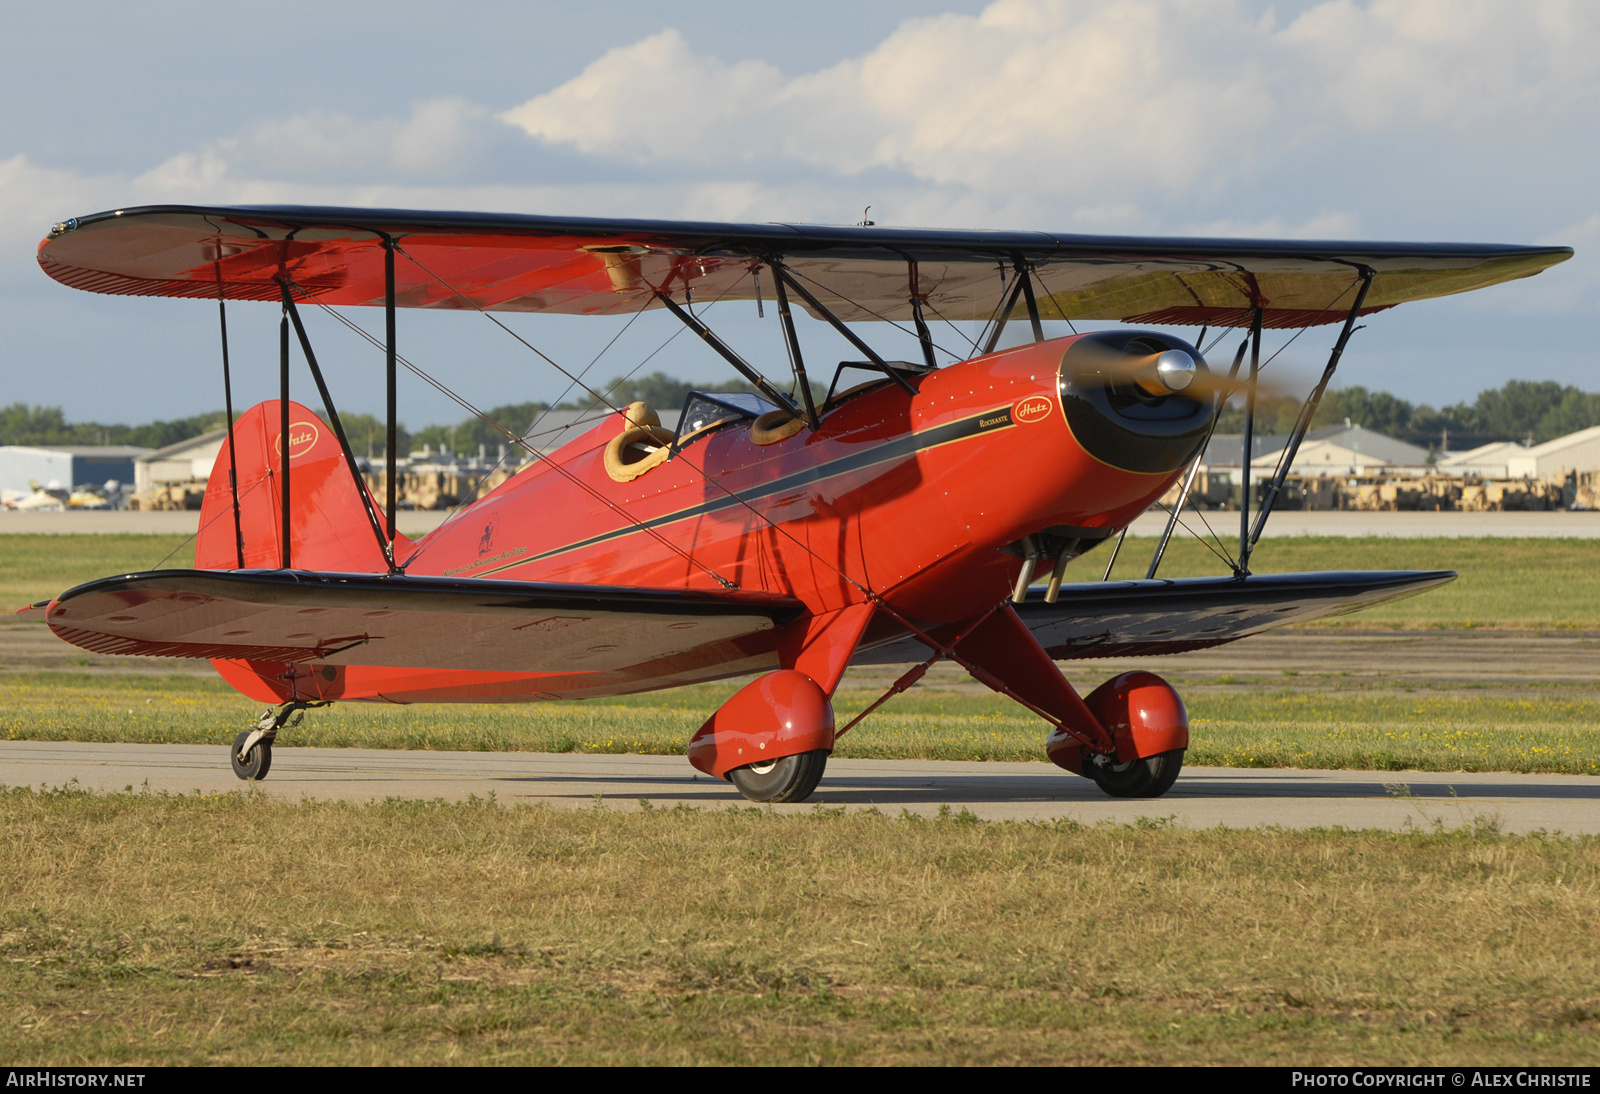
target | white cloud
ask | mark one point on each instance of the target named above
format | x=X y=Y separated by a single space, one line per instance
x=439 y=138
x=1457 y=63
x=1045 y=96
x=1097 y=103
x=1194 y=116
x=298 y=160
x=34 y=196
x=652 y=100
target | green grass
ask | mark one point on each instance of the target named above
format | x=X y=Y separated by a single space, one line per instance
x=146 y=930
x=1519 y=729
x=1505 y=584
x=1246 y=724
x=37 y=567
x=1541 y=584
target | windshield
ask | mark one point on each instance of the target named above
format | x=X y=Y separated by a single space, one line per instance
x=703 y=412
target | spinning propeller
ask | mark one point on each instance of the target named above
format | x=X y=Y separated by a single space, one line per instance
x=1156 y=373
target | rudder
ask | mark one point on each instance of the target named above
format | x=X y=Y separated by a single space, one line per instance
x=328 y=525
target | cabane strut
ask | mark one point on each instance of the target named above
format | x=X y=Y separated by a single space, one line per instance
x=293 y=314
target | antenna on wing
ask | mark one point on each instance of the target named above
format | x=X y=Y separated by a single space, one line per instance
x=866 y=218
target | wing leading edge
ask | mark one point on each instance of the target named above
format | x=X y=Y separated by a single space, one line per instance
x=503 y=262
x=1145 y=618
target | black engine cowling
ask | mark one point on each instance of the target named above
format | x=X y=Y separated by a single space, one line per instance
x=1124 y=417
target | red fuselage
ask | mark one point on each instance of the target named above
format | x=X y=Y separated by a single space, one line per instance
x=910 y=497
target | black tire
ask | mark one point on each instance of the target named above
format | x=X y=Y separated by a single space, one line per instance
x=790 y=779
x=1150 y=777
x=257 y=762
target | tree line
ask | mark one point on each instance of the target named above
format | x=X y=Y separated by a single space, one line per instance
x=47 y=425
x=1522 y=410
x=1525 y=411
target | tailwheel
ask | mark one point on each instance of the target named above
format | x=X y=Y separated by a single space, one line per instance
x=787 y=779
x=251 y=753
x=1149 y=777
x=251 y=761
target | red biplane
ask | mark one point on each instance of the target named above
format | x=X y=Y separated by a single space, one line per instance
x=899 y=520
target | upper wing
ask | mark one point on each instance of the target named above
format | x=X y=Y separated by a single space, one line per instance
x=591 y=266
x=420 y=622
x=1142 y=618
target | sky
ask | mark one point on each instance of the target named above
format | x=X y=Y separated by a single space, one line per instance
x=1435 y=120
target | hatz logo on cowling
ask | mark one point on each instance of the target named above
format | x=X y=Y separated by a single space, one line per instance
x=302 y=439
x=1035 y=408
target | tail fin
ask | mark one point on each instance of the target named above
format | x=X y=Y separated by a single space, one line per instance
x=328 y=525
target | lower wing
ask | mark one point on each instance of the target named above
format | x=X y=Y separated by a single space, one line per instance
x=1141 y=618
x=442 y=623
x=361 y=619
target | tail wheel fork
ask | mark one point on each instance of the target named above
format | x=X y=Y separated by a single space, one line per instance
x=251 y=753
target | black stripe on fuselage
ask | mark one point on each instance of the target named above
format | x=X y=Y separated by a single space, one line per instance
x=899 y=448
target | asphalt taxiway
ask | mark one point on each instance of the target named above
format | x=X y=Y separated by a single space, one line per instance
x=1203 y=797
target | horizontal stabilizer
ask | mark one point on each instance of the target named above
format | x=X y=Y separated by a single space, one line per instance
x=401 y=621
x=1144 y=618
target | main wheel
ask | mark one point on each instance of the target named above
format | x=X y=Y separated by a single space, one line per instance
x=790 y=779
x=256 y=763
x=1150 y=777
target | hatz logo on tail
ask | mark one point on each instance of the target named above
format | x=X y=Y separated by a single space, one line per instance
x=1035 y=408
x=302 y=439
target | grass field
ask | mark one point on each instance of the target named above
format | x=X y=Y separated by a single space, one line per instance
x=144 y=929
x=1548 y=584
x=1247 y=724
x=36 y=567
x=155 y=930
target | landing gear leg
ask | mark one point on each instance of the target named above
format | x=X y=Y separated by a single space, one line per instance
x=252 y=750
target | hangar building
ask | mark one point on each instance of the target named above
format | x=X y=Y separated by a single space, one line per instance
x=66 y=465
x=186 y=461
x=1552 y=460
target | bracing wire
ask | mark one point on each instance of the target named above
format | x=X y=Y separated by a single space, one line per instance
x=1282 y=455
x=470 y=497
x=596 y=360
x=1220 y=542
x=204 y=526
x=489 y=316
x=903 y=329
x=460 y=401
x=1221 y=554
x=959 y=333
x=870 y=594
x=706 y=478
